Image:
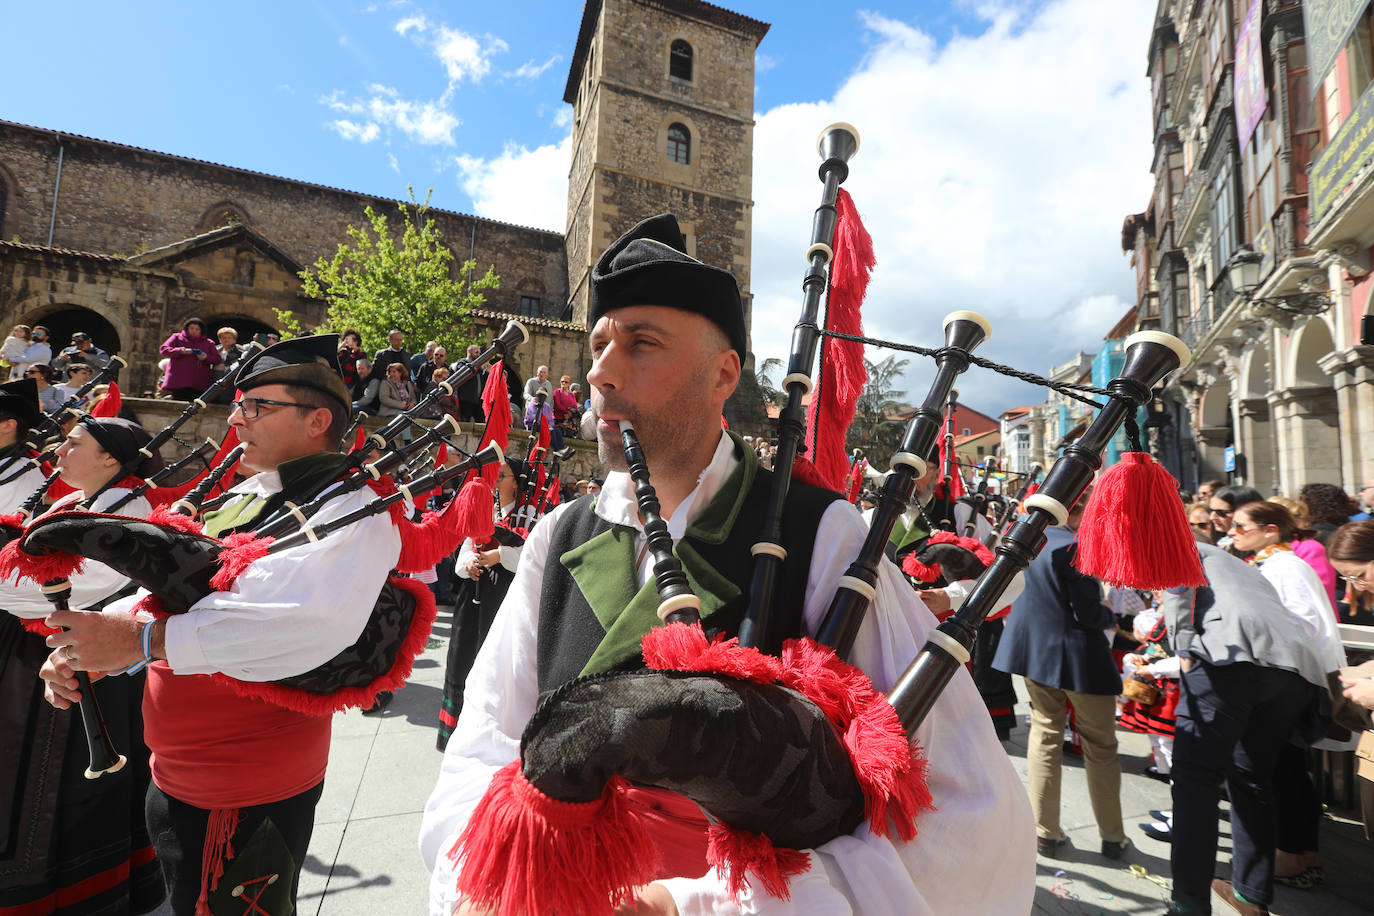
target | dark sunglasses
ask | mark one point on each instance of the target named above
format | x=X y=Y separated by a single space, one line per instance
x=1221 y=512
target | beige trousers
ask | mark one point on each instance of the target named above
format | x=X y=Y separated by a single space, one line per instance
x=1096 y=719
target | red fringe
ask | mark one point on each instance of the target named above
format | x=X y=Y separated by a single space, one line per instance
x=312 y=704
x=684 y=647
x=832 y=410
x=525 y=853
x=438 y=534
x=240 y=551
x=109 y=405
x=737 y=853
x=978 y=548
x=17 y=564
x=1134 y=532
x=12 y=520
x=37 y=627
x=163 y=516
x=219 y=830
x=803 y=471
x=918 y=570
x=890 y=769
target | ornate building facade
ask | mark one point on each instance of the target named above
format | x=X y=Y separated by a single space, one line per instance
x=1255 y=246
x=127 y=243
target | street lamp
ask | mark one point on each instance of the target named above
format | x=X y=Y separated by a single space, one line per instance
x=1243 y=270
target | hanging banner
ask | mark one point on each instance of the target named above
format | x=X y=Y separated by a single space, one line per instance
x=1251 y=97
x=1327 y=24
x=1344 y=157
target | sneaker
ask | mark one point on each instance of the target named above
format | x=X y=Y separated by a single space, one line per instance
x=1113 y=850
x=1163 y=832
x=1227 y=892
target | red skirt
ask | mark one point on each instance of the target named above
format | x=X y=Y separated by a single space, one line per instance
x=1158 y=717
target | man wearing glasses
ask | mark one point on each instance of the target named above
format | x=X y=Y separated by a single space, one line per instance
x=1366 y=498
x=236 y=779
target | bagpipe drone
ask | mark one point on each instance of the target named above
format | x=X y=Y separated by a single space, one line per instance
x=593 y=807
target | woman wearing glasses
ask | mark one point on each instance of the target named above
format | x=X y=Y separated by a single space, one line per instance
x=1351 y=551
x=1200 y=521
x=1222 y=504
x=1267 y=530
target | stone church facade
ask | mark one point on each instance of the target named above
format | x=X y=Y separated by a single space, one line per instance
x=127 y=243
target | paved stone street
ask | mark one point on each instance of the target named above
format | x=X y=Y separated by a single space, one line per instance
x=364 y=862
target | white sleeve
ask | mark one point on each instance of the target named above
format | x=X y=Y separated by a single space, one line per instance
x=1166 y=667
x=1303 y=594
x=975 y=852
x=510 y=557
x=501 y=694
x=293 y=610
x=465 y=555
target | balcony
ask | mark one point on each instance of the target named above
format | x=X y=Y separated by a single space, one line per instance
x=1195 y=328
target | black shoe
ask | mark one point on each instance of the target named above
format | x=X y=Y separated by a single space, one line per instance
x=1165 y=816
x=1114 y=850
x=1049 y=847
x=383 y=700
x=1162 y=832
x=1152 y=772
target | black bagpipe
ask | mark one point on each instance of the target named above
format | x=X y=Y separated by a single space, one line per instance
x=560 y=828
x=50 y=424
x=999 y=527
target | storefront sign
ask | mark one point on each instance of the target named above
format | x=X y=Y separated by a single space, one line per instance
x=1344 y=156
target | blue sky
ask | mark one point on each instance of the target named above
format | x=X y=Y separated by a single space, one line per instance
x=1004 y=142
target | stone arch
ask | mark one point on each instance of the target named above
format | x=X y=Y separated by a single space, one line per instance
x=246 y=325
x=681 y=59
x=1254 y=374
x=64 y=319
x=1215 y=408
x=679 y=171
x=220 y=214
x=1309 y=344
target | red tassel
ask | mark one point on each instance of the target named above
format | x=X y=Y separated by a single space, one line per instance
x=525 y=853
x=240 y=551
x=739 y=853
x=109 y=405
x=47 y=568
x=168 y=519
x=474 y=512
x=219 y=830
x=1134 y=532
x=832 y=411
x=38 y=627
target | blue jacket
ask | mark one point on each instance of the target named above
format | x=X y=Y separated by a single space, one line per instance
x=1054 y=633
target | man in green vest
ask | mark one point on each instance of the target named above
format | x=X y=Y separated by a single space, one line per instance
x=667 y=343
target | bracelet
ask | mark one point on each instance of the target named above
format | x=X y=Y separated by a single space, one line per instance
x=146 y=641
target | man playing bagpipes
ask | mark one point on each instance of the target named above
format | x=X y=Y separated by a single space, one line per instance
x=76 y=844
x=237 y=771
x=667 y=343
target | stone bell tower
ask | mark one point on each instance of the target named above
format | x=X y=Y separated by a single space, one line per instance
x=663 y=120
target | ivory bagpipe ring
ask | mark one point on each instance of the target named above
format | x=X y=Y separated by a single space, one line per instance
x=773 y=550
x=916 y=464
x=678 y=603
x=801 y=378
x=1050 y=505
x=857 y=585
x=822 y=248
x=950 y=645
x=1185 y=356
x=838 y=125
x=965 y=315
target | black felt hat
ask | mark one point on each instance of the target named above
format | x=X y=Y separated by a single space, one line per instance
x=20 y=400
x=122 y=439
x=649 y=265
x=311 y=362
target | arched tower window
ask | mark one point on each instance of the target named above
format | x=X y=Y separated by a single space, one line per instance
x=679 y=144
x=680 y=60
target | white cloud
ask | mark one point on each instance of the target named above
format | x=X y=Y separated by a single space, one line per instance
x=391 y=161
x=530 y=70
x=427 y=122
x=994 y=175
x=417 y=22
x=528 y=187
x=350 y=130
x=464 y=56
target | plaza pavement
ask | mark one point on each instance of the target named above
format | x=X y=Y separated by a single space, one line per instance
x=363 y=859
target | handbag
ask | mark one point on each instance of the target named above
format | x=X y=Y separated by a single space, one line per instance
x=1140 y=689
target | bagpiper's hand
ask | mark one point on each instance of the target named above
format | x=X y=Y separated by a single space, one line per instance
x=97 y=641
x=936 y=599
x=1356 y=671
x=1360 y=690
x=59 y=680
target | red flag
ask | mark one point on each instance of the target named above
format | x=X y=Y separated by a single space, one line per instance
x=109 y=405
x=554 y=495
x=440 y=455
x=359 y=437
x=832 y=409
x=496 y=403
x=956 y=479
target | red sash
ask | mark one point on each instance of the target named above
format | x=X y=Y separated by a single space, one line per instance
x=214 y=749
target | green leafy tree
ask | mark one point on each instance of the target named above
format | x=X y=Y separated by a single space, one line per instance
x=380 y=280
x=875 y=429
x=767 y=371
